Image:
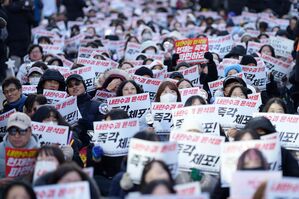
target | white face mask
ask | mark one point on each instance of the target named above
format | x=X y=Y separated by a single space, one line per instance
x=146 y=36
x=150 y=52
x=51 y=122
x=34 y=80
x=168 y=98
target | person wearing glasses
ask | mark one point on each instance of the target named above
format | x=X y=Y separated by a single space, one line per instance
x=14 y=99
x=19 y=136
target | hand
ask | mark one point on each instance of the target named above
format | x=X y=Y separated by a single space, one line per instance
x=113 y=85
x=97 y=153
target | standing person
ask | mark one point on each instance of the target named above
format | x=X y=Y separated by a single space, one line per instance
x=3 y=37
x=20 y=21
x=74 y=9
x=14 y=99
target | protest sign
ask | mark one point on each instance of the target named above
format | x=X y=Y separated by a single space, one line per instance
x=3 y=121
x=191 y=188
x=283 y=47
x=188 y=92
x=198 y=150
x=73 y=190
x=86 y=52
x=66 y=63
x=19 y=162
x=192 y=74
x=114 y=136
x=256 y=97
x=87 y=74
x=204 y=114
x=132 y=50
x=61 y=69
x=231 y=151
x=135 y=105
x=29 y=89
x=162 y=113
x=253 y=47
x=50 y=134
x=69 y=110
x=245 y=183
x=42 y=167
x=286 y=188
x=256 y=76
x=235 y=112
x=149 y=85
x=191 y=50
x=287 y=126
x=277 y=67
x=221 y=45
x=51 y=49
x=103 y=95
x=54 y=96
x=98 y=66
x=142 y=152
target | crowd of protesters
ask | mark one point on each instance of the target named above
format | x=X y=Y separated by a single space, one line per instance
x=51 y=46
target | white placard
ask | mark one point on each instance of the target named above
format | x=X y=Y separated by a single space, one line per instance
x=54 y=97
x=231 y=151
x=142 y=152
x=3 y=121
x=114 y=136
x=50 y=134
x=69 y=110
x=149 y=85
x=198 y=150
x=74 y=190
x=191 y=188
x=221 y=45
x=286 y=188
x=42 y=167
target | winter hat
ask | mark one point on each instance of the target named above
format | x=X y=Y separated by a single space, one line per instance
x=248 y=59
x=176 y=75
x=155 y=63
x=144 y=71
x=236 y=67
x=231 y=79
x=35 y=70
x=181 y=65
x=192 y=125
x=76 y=77
x=236 y=51
x=147 y=44
x=261 y=123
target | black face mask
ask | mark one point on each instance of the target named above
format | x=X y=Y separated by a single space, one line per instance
x=254 y=169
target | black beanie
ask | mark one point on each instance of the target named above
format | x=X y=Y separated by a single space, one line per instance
x=144 y=71
x=248 y=59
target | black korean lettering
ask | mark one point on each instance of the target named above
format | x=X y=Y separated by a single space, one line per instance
x=222 y=111
x=231 y=111
x=167 y=117
x=288 y=137
x=188 y=149
x=209 y=127
x=158 y=117
x=113 y=136
x=135 y=160
x=141 y=112
x=102 y=138
x=123 y=143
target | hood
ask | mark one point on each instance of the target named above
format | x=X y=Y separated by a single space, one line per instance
x=51 y=74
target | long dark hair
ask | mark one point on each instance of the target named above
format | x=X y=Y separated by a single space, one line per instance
x=22 y=184
x=275 y=100
x=45 y=112
x=150 y=187
x=119 y=91
x=250 y=152
x=149 y=166
x=162 y=87
x=51 y=150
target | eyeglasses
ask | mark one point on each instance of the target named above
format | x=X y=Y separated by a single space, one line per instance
x=11 y=90
x=76 y=83
x=13 y=131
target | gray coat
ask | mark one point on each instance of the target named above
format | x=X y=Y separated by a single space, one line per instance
x=33 y=143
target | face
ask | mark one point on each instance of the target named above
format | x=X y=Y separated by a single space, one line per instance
x=126 y=66
x=44 y=157
x=275 y=108
x=51 y=85
x=184 y=84
x=156 y=173
x=232 y=72
x=52 y=119
x=252 y=161
x=263 y=37
x=75 y=87
x=18 y=140
x=228 y=87
x=129 y=89
x=238 y=93
x=18 y=192
x=168 y=90
x=33 y=110
x=11 y=93
x=196 y=102
x=247 y=137
x=157 y=67
x=35 y=54
x=72 y=176
x=266 y=50
x=161 y=190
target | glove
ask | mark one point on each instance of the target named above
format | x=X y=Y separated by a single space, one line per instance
x=196 y=174
x=68 y=152
x=97 y=153
x=126 y=182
